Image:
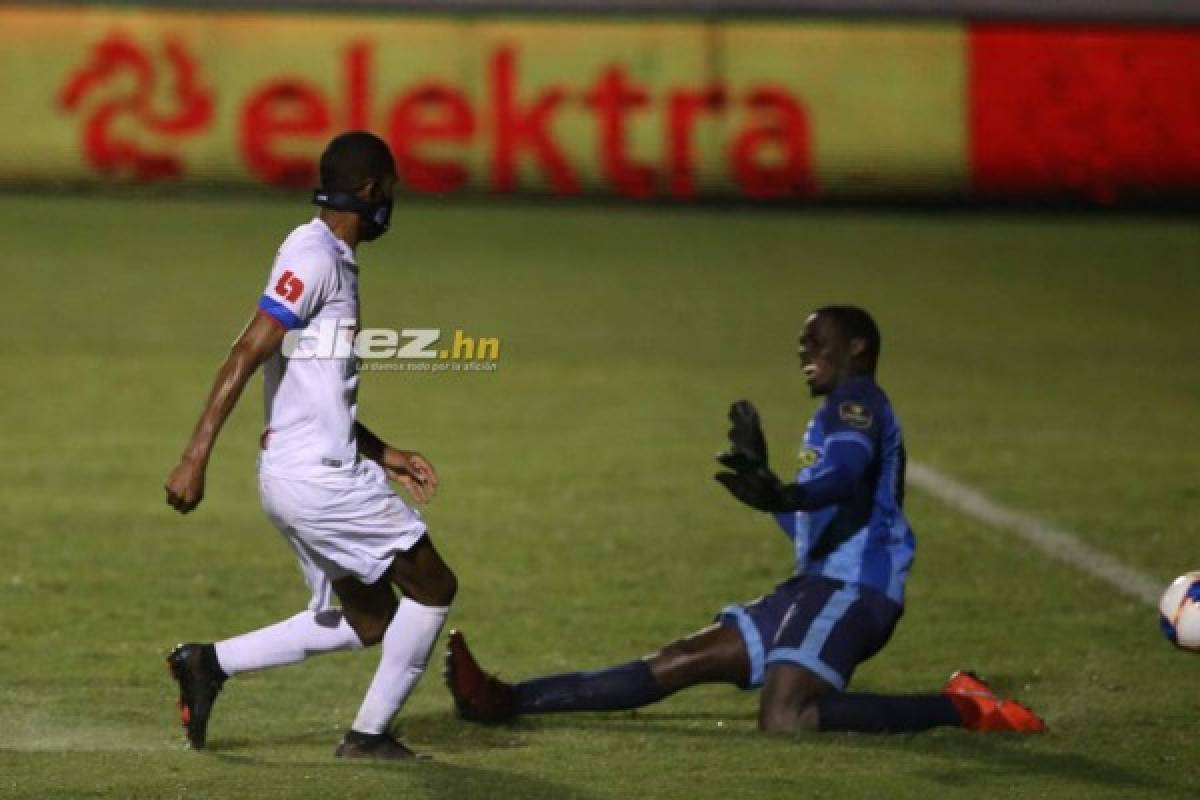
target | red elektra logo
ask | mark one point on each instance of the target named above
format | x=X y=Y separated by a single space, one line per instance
x=767 y=150
x=496 y=127
x=118 y=92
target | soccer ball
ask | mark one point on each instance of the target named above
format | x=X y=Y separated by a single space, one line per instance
x=1179 y=612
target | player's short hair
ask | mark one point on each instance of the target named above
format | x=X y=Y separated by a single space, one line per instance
x=855 y=323
x=353 y=158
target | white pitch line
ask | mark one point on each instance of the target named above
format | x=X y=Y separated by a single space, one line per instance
x=1054 y=542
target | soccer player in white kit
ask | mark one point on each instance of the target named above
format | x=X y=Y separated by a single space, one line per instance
x=323 y=476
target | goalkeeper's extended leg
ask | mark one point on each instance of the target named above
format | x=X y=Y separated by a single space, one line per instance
x=715 y=654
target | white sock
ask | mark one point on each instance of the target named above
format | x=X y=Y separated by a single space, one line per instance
x=406 y=645
x=287 y=642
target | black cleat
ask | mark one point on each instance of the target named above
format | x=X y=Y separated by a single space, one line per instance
x=377 y=746
x=194 y=667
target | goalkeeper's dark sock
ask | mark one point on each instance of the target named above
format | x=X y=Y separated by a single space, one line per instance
x=881 y=713
x=626 y=686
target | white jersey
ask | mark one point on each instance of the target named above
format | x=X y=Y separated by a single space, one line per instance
x=336 y=511
x=311 y=402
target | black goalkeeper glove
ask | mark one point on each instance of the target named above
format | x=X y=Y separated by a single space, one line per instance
x=762 y=489
x=752 y=480
x=747 y=445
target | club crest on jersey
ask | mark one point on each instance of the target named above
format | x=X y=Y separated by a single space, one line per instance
x=807 y=457
x=856 y=415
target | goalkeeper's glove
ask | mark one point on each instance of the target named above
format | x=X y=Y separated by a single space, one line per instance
x=751 y=479
x=747 y=445
x=761 y=489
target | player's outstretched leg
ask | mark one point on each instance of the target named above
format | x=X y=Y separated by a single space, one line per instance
x=713 y=655
x=194 y=667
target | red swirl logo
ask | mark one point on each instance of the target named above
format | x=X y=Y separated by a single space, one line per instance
x=121 y=91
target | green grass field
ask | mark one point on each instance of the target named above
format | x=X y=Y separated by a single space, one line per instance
x=1049 y=362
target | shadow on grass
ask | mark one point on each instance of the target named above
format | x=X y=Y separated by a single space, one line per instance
x=991 y=756
x=436 y=732
x=457 y=782
x=994 y=756
x=433 y=778
x=970 y=759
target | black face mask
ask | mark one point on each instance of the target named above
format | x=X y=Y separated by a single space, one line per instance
x=375 y=217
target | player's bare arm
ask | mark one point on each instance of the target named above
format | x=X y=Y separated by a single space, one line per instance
x=260 y=339
x=408 y=468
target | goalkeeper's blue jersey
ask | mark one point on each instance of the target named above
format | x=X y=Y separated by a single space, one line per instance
x=852 y=464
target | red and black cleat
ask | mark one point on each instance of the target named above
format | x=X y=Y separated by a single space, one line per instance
x=194 y=667
x=478 y=697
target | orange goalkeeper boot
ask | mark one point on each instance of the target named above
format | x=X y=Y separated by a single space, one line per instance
x=982 y=709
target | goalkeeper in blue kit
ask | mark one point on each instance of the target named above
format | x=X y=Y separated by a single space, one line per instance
x=801 y=642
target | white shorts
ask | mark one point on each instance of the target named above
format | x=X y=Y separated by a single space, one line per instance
x=346 y=523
